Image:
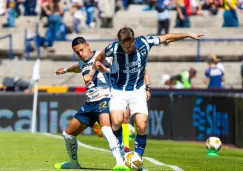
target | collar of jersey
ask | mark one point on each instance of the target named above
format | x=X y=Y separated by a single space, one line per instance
x=91 y=56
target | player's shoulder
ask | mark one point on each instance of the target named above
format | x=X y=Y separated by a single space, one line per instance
x=112 y=45
x=96 y=52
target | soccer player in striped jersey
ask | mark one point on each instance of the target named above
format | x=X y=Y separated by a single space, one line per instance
x=131 y=55
x=95 y=109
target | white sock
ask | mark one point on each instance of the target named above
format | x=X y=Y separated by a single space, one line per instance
x=72 y=147
x=113 y=144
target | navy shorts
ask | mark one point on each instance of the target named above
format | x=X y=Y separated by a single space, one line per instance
x=90 y=112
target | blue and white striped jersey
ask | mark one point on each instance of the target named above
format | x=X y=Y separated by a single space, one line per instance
x=131 y=67
x=99 y=88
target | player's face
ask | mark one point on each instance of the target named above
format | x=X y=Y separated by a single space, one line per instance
x=83 y=51
x=128 y=46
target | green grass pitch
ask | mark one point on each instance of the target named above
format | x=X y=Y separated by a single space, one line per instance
x=26 y=151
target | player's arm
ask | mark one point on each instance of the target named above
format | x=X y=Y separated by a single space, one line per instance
x=172 y=37
x=147 y=83
x=207 y=77
x=75 y=68
x=101 y=67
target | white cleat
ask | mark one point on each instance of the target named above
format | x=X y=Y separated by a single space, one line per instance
x=67 y=165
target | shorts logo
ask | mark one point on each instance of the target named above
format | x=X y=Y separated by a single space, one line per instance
x=103 y=105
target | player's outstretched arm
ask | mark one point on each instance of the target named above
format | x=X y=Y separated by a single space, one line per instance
x=73 y=68
x=172 y=37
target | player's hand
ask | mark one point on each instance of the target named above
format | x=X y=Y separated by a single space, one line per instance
x=98 y=65
x=87 y=79
x=60 y=71
x=148 y=95
x=195 y=36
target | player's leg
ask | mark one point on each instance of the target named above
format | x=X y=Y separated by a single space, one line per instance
x=125 y=130
x=141 y=138
x=118 y=104
x=79 y=123
x=104 y=120
x=139 y=112
x=74 y=128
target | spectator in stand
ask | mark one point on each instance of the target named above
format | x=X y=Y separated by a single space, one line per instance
x=171 y=82
x=186 y=77
x=162 y=6
x=10 y=13
x=213 y=75
x=90 y=7
x=151 y=4
x=218 y=65
x=29 y=7
x=182 y=18
x=213 y=5
x=230 y=13
x=54 y=9
x=16 y=84
x=77 y=12
x=240 y=4
x=194 y=7
x=107 y=11
x=2 y=7
x=217 y=61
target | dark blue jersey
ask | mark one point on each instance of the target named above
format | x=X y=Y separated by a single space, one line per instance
x=131 y=67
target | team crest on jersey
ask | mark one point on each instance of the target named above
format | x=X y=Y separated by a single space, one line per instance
x=143 y=52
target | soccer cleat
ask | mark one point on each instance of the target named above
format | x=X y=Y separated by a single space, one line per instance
x=97 y=129
x=126 y=149
x=121 y=147
x=121 y=167
x=143 y=169
x=66 y=165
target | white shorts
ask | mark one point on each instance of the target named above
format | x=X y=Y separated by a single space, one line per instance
x=135 y=99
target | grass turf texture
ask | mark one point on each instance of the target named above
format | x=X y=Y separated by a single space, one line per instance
x=25 y=151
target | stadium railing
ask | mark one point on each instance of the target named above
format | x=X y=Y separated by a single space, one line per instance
x=198 y=49
x=10 y=54
x=28 y=40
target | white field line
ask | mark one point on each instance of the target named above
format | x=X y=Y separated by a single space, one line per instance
x=152 y=160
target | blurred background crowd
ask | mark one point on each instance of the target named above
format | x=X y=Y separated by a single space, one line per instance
x=62 y=18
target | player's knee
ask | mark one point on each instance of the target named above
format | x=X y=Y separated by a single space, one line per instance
x=66 y=135
x=141 y=128
x=117 y=122
x=116 y=119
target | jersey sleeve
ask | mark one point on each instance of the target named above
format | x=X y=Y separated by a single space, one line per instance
x=109 y=50
x=80 y=65
x=152 y=40
x=207 y=73
x=108 y=61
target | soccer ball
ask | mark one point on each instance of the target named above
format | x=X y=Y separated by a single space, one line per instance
x=133 y=160
x=213 y=144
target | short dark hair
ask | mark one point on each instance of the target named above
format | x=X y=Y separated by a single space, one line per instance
x=78 y=40
x=125 y=34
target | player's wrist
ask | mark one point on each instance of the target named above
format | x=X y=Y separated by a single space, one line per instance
x=148 y=88
x=92 y=72
x=65 y=70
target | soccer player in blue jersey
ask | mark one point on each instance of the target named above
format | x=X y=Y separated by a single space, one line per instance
x=130 y=53
x=95 y=109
